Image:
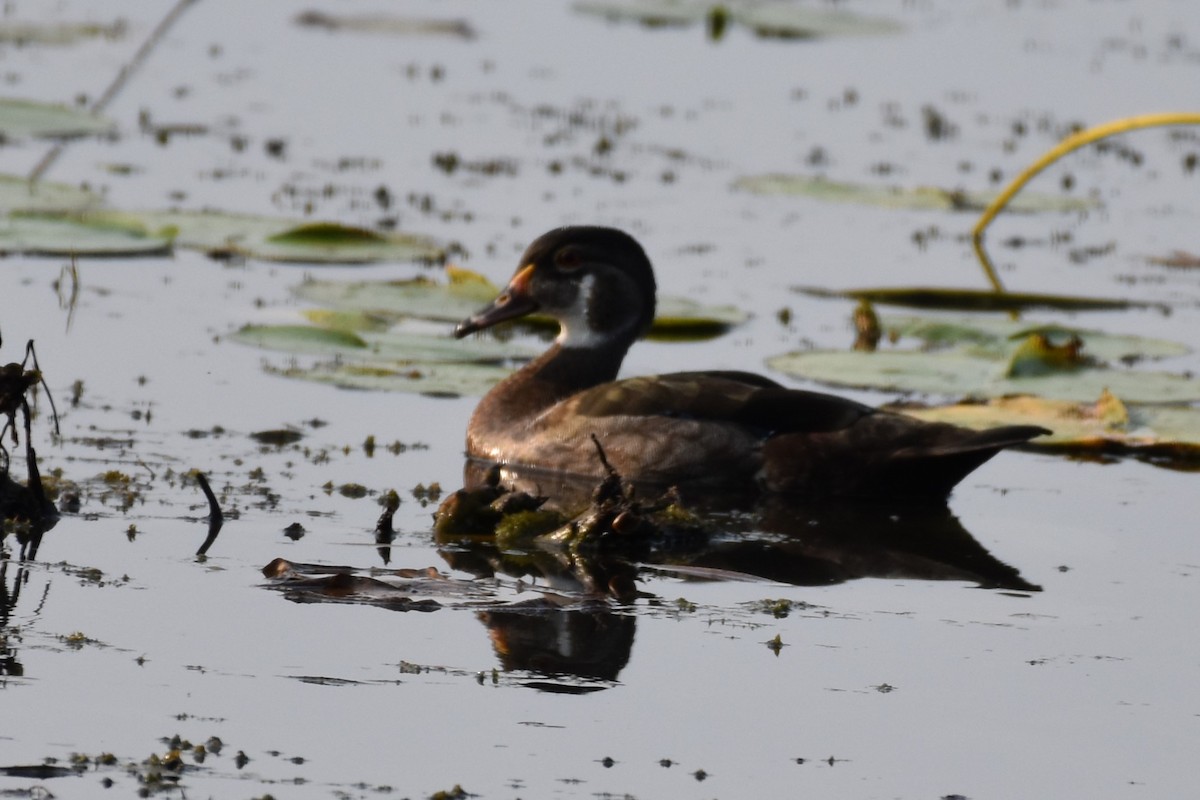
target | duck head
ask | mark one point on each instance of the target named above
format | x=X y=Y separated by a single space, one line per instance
x=596 y=282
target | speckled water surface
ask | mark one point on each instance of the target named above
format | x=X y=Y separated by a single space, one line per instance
x=874 y=681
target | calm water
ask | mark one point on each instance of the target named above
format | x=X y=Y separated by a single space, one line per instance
x=886 y=686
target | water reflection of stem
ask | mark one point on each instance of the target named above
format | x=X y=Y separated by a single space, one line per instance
x=118 y=83
x=1067 y=145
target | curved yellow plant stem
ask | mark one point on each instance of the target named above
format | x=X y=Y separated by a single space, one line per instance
x=1074 y=142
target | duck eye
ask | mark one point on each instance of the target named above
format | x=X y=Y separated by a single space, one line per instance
x=568 y=259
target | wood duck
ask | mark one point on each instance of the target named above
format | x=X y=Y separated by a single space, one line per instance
x=724 y=429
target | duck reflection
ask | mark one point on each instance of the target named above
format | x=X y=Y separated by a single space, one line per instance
x=588 y=567
x=589 y=643
x=583 y=552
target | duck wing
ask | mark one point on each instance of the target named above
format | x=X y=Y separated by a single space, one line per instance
x=742 y=398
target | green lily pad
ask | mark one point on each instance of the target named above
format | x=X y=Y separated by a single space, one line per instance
x=973 y=299
x=268 y=238
x=920 y=198
x=57 y=33
x=385 y=349
x=433 y=379
x=788 y=21
x=354 y=321
x=960 y=373
x=682 y=319
x=361 y=326
x=1162 y=434
x=654 y=14
x=421 y=297
x=18 y=194
x=298 y=338
x=466 y=292
x=418 y=348
x=20 y=119
x=56 y=236
x=272 y=239
x=995 y=337
x=774 y=19
x=385 y=24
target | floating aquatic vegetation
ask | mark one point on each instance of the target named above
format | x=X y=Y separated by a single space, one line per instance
x=385 y=24
x=685 y=320
x=57 y=33
x=1164 y=435
x=960 y=374
x=388 y=360
x=998 y=357
x=440 y=380
x=464 y=291
x=459 y=296
x=395 y=347
x=930 y=198
x=222 y=234
x=771 y=19
x=276 y=239
x=996 y=336
x=365 y=327
x=53 y=235
x=1179 y=259
x=21 y=119
x=19 y=194
x=298 y=338
x=973 y=299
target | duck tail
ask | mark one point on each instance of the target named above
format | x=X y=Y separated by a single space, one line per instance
x=934 y=470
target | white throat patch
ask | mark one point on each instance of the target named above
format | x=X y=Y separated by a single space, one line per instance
x=575 y=331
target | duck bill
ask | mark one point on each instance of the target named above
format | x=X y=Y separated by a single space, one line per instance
x=512 y=303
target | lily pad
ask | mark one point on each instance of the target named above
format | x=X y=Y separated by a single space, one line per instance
x=298 y=338
x=57 y=236
x=973 y=299
x=273 y=239
x=465 y=292
x=1162 y=434
x=422 y=297
x=354 y=321
x=20 y=119
x=57 y=33
x=269 y=238
x=18 y=194
x=774 y=19
x=363 y=320
x=789 y=21
x=450 y=380
x=386 y=24
x=995 y=337
x=960 y=373
x=929 y=198
x=682 y=319
x=385 y=350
